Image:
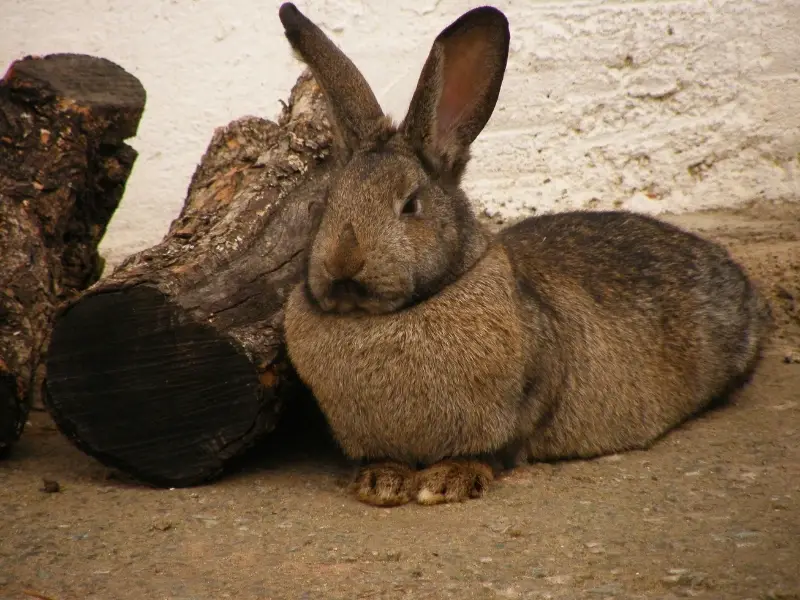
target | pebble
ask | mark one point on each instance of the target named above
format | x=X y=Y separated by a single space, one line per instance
x=595 y=547
x=685 y=577
x=161 y=525
x=538 y=573
x=609 y=589
x=50 y=486
x=746 y=534
x=780 y=504
x=392 y=556
x=610 y=458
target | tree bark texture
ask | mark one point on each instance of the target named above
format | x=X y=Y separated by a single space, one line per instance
x=63 y=169
x=174 y=365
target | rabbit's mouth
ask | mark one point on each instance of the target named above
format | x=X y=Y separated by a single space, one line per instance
x=350 y=296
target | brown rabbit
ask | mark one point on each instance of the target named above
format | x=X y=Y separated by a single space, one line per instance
x=436 y=349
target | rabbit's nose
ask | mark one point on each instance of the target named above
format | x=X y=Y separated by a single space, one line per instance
x=347 y=258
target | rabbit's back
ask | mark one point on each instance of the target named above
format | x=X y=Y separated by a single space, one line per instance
x=633 y=326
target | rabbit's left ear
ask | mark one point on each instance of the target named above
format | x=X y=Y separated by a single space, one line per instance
x=458 y=89
x=354 y=110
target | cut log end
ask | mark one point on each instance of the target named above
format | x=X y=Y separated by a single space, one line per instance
x=90 y=83
x=140 y=387
x=173 y=366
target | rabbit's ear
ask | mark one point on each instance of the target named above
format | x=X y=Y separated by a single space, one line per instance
x=458 y=88
x=353 y=108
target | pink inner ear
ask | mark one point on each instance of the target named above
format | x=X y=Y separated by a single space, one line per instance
x=465 y=78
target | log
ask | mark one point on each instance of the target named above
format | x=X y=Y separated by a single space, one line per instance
x=172 y=367
x=63 y=169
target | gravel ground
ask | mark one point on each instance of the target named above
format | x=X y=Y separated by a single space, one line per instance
x=712 y=511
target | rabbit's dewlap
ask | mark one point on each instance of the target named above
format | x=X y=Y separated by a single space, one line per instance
x=441 y=378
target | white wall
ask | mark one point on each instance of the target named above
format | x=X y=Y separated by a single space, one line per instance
x=649 y=104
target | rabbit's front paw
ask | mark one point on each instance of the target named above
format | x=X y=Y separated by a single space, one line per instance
x=453 y=480
x=385 y=484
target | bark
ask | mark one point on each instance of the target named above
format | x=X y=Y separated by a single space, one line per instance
x=174 y=366
x=63 y=168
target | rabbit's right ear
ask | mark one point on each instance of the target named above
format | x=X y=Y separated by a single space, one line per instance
x=458 y=89
x=353 y=108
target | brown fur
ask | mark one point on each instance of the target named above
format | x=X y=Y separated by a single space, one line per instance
x=425 y=339
x=394 y=483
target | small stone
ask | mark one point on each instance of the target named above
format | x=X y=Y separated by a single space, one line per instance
x=558 y=579
x=780 y=504
x=609 y=589
x=685 y=577
x=791 y=357
x=50 y=486
x=485 y=559
x=538 y=573
x=161 y=525
x=610 y=458
x=595 y=547
x=746 y=534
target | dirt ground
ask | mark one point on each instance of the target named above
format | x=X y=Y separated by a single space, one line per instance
x=712 y=511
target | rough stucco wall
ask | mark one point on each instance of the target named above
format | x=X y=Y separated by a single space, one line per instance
x=655 y=105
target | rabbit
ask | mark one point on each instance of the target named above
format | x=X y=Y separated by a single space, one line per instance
x=441 y=353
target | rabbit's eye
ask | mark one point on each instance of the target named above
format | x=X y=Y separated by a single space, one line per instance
x=412 y=205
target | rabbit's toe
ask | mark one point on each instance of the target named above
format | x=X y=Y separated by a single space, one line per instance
x=385 y=484
x=453 y=480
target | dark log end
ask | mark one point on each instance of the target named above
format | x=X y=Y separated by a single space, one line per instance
x=142 y=388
